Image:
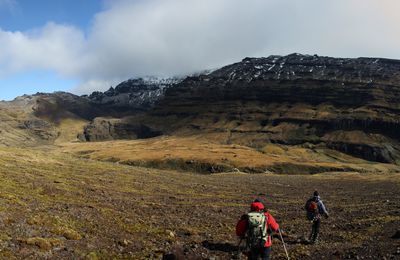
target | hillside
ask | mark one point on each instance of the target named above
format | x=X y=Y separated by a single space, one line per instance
x=349 y=105
x=44 y=119
x=19 y=126
x=318 y=104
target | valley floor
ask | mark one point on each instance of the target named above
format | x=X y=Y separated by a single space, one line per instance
x=55 y=205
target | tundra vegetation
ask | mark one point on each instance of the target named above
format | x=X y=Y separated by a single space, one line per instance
x=96 y=201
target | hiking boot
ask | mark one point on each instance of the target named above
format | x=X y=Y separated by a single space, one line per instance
x=314 y=242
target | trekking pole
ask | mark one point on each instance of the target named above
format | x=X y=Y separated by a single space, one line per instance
x=284 y=246
x=238 y=248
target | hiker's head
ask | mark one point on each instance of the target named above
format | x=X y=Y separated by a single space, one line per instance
x=256 y=206
x=316 y=194
x=258 y=200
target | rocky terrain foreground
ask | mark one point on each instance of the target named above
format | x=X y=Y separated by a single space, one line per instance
x=57 y=206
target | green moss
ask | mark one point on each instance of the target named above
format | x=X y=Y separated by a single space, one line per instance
x=55 y=225
x=7 y=254
x=4 y=237
x=43 y=243
x=68 y=233
x=92 y=256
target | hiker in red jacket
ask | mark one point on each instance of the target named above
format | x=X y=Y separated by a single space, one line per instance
x=253 y=227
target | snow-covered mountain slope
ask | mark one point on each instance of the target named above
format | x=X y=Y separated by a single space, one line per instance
x=135 y=93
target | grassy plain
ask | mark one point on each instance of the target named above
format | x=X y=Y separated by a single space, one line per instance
x=84 y=201
x=205 y=154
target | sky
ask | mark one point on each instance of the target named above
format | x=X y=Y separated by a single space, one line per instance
x=82 y=46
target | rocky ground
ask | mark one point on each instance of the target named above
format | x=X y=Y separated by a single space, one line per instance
x=57 y=206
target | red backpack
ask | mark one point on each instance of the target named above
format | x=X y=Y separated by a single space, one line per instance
x=312 y=206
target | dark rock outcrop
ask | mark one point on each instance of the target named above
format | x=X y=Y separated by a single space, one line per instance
x=108 y=129
x=396 y=235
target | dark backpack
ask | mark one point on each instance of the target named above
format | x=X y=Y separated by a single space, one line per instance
x=256 y=234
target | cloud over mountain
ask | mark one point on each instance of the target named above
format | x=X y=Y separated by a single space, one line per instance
x=137 y=38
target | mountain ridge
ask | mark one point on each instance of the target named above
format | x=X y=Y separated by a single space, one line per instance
x=345 y=104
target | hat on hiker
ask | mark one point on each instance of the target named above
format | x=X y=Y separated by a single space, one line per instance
x=316 y=193
x=256 y=206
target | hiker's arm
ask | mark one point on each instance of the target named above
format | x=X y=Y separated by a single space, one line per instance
x=272 y=222
x=323 y=209
x=305 y=205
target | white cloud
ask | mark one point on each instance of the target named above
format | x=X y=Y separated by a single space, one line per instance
x=52 y=47
x=167 y=37
x=90 y=85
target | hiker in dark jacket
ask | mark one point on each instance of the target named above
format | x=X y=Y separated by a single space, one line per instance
x=243 y=230
x=315 y=209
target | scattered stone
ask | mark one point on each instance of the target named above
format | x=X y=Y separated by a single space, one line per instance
x=170 y=233
x=396 y=235
x=170 y=256
x=123 y=242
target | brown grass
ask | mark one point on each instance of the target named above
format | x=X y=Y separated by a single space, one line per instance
x=56 y=205
x=69 y=129
x=206 y=153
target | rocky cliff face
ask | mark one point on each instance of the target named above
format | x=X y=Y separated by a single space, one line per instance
x=352 y=105
x=101 y=129
x=300 y=78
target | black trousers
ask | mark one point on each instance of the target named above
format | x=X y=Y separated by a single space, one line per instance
x=315 y=229
x=260 y=253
